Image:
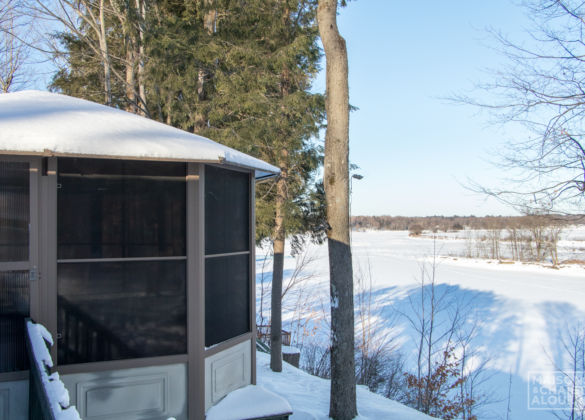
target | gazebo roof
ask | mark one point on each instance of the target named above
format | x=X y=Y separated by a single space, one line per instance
x=50 y=124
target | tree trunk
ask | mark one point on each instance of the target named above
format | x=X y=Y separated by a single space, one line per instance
x=278 y=269
x=336 y=181
x=209 y=19
x=141 y=57
x=130 y=79
x=105 y=57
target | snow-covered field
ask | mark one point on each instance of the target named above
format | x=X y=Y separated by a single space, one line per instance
x=523 y=312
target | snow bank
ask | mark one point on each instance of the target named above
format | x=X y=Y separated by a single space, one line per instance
x=249 y=402
x=55 y=389
x=309 y=395
x=290 y=350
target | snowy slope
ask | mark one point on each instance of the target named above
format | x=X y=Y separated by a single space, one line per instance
x=309 y=395
x=523 y=311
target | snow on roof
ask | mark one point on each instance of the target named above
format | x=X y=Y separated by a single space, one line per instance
x=45 y=123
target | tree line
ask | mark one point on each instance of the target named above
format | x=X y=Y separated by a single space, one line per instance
x=454 y=223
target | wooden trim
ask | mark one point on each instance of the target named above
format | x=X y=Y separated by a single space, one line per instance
x=227 y=254
x=248 y=169
x=48 y=153
x=232 y=167
x=253 y=274
x=16 y=157
x=34 y=243
x=219 y=162
x=132 y=259
x=122 y=364
x=48 y=248
x=16 y=265
x=21 y=375
x=224 y=345
x=196 y=290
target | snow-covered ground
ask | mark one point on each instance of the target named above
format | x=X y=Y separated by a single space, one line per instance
x=309 y=395
x=523 y=312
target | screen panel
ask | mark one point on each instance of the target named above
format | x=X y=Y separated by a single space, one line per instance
x=14 y=211
x=121 y=209
x=227 y=211
x=121 y=271
x=121 y=310
x=227 y=298
x=14 y=308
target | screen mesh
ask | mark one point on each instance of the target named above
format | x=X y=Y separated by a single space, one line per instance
x=227 y=211
x=14 y=308
x=121 y=310
x=227 y=298
x=14 y=211
x=119 y=209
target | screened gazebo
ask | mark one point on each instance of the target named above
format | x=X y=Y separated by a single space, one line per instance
x=133 y=243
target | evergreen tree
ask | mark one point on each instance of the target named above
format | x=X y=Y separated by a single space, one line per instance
x=262 y=105
x=237 y=72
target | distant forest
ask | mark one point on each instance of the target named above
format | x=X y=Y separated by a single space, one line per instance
x=451 y=223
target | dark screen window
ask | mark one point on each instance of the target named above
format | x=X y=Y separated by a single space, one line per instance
x=227 y=276
x=121 y=310
x=227 y=298
x=120 y=209
x=227 y=211
x=14 y=211
x=121 y=271
x=14 y=308
x=14 y=247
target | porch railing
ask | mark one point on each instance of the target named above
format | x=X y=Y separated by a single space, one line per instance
x=85 y=339
x=48 y=398
x=263 y=334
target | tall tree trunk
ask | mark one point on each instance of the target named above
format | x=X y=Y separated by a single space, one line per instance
x=130 y=78
x=209 y=19
x=278 y=267
x=336 y=181
x=141 y=57
x=105 y=57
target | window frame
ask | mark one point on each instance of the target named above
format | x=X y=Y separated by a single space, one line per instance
x=164 y=359
x=249 y=335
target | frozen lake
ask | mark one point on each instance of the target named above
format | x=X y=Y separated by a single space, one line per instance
x=522 y=313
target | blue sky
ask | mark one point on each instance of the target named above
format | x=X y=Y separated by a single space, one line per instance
x=415 y=149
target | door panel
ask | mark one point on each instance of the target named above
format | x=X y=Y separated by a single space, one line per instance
x=18 y=277
x=15 y=260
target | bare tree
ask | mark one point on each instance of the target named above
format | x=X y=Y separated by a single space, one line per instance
x=572 y=370
x=342 y=403
x=74 y=16
x=378 y=361
x=14 y=50
x=543 y=88
x=132 y=16
x=445 y=382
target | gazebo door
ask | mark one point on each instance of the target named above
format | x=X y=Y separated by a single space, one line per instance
x=18 y=277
